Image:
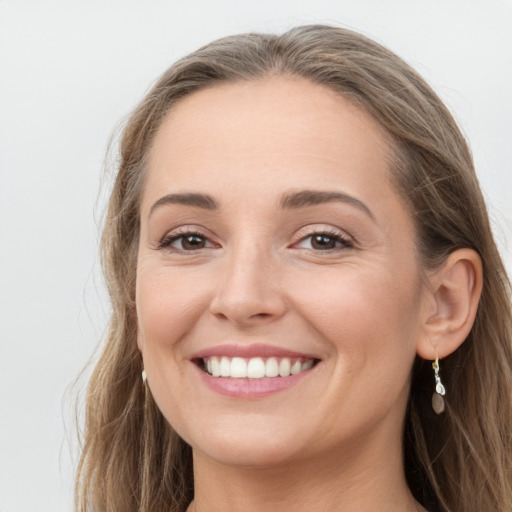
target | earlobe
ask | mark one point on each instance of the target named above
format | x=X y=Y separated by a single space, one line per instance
x=140 y=337
x=140 y=342
x=454 y=292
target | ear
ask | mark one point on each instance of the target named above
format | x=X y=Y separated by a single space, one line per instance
x=140 y=342
x=451 y=304
x=140 y=337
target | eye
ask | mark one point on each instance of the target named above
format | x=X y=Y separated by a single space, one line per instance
x=324 y=242
x=188 y=241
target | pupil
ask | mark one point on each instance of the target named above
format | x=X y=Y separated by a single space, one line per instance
x=323 y=242
x=193 y=242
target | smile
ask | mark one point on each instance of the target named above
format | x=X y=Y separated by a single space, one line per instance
x=255 y=367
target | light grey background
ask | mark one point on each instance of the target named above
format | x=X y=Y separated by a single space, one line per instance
x=69 y=71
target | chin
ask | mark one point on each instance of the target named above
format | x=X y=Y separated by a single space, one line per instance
x=248 y=455
x=245 y=446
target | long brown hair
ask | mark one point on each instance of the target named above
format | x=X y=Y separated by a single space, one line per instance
x=460 y=461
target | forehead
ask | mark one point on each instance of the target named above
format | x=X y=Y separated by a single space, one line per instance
x=276 y=105
x=282 y=129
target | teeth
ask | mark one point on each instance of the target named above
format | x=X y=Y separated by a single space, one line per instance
x=215 y=367
x=271 y=367
x=225 y=367
x=306 y=365
x=284 y=367
x=255 y=367
x=295 y=368
x=238 y=368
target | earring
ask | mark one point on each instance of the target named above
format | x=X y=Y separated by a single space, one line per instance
x=437 y=397
x=144 y=377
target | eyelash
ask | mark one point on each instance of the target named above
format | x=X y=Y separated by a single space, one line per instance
x=168 y=240
x=338 y=238
x=345 y=242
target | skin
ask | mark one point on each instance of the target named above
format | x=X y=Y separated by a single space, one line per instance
x=362 y=308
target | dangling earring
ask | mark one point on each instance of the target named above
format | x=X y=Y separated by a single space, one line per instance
x=437 y=397
x=144 y=377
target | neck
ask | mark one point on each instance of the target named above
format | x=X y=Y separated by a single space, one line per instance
x=349 y=480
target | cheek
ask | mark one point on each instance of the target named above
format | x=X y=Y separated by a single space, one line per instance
x=165 y=312
x=367 y=316
x=166 y=318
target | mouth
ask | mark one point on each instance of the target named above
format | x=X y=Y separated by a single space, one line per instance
x=254 y=367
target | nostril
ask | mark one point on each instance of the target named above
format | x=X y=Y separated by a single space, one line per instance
x=249 y=303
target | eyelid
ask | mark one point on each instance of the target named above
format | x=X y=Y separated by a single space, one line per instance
x=303 y=234
x=341 y=236
x=181 y=232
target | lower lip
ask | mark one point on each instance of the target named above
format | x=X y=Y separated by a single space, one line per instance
x=251 y=388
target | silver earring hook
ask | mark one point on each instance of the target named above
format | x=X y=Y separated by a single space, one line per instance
x=437 y=398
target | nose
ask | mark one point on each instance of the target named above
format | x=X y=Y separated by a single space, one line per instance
x=248 y=291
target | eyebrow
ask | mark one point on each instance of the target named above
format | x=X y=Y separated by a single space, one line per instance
x=314 y=197
x=188 y=199
x=288 y=201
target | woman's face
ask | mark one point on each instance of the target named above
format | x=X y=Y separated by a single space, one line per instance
x=275 y=252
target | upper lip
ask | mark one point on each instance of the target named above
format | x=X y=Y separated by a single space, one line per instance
x=249 y=351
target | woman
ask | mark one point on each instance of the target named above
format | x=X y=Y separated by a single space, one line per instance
x=302 y=272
